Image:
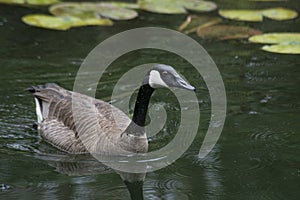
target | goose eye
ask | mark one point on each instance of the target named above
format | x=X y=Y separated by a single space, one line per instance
x=164 y=73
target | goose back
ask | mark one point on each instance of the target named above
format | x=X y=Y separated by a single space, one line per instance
x=105 y=135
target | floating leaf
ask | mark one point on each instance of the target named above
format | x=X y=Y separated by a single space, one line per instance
x=280 y=13
x=94 y=22
x=267 y=0
x=242 y=15
x=226 y=32
x=176 y=6
x=117 y=13
x=288 y=43
x=257 y=15
x=122 y=5
x=193 y=22
x=275 y=38
x=284 y=48
x=92 y=10
x=29 y=2
x=73 y=9
x=41 y=2
x=61 y=23
x=165 y=6
x=202 y=6
x=50 y=22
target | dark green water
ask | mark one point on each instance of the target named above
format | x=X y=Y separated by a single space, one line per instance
x=256 y=157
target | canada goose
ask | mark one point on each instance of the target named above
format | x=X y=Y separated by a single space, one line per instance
x=56 y=124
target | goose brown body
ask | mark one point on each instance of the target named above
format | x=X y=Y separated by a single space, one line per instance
x=59 y=129
x=100 y=128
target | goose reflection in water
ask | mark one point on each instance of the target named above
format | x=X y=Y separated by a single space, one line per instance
x=85 y=165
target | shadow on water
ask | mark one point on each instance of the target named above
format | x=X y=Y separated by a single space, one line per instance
x=83 y=165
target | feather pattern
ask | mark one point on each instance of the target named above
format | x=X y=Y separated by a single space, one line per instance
x=103 y=135
x=77 y=123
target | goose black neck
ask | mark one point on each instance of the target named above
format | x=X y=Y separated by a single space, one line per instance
x=141 y=105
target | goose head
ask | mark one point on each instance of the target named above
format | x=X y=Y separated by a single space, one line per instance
x=164 y=76
x=160 y=76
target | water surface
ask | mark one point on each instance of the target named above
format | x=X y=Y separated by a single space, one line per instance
x=257 y=156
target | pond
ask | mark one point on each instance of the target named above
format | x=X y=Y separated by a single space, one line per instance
x=256 y=157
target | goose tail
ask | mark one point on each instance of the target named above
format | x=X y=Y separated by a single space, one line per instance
x=41 y=99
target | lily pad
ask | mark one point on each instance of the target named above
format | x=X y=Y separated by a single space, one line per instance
x=176 y=6
x=29 y=2
x=61 y=23
x=287 y=43
x=275 y=38
x=193 y=22
x=227 y=32
x=268 y=0
x=122 y=5
x=113 y=12
x=257 y=15
x=197 y=5
x=242 y=15
x=92 y=10
x=284 y=48
x=280 y=14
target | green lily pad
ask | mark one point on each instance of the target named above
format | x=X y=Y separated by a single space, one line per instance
x=176 y=6
x=61 y=23
x=275 y=38
x=73 y=9
x=257 y=15
x=92 y=10
x=193 y=22
x=227 y=32
x=164 y=7
x=29 y=2
x=122 y=5
x=116 y=13
x=283 y=48
x=201 y=6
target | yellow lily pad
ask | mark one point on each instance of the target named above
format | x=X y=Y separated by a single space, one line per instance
x=268 y=0
x=279 y=14
x=176 y=6
x=287 y=43
x=275 y=38
x=193 y=22
x=257 y=15
x=50 y=22
x=94 y=22
x=93 y=10
x=284 y=48
x=242 y=15
x=61 y=23
x=29 y=2
x=227 y=32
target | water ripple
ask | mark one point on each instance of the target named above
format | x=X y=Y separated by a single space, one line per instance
x=274 y=137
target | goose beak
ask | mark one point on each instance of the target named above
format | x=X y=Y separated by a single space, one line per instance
x=184 y=85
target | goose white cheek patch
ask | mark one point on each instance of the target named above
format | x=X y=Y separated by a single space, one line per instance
x=155 y=81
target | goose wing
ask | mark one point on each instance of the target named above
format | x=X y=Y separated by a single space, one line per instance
x=57 y=125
